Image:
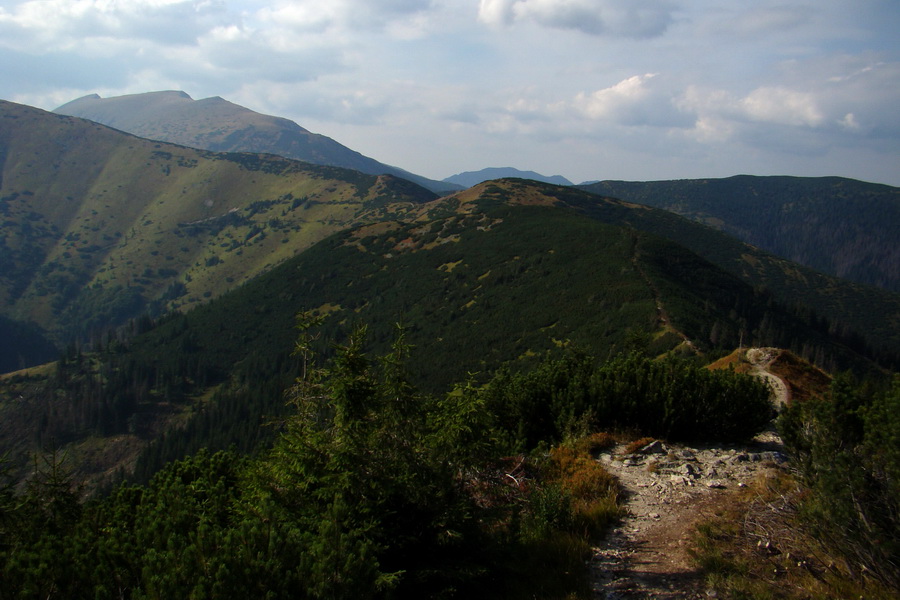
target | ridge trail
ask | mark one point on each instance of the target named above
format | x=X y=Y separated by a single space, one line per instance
x=667 y=489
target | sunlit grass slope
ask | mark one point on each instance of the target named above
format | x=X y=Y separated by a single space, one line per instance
x=98 y=225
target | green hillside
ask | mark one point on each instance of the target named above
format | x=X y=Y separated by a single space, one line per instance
x=484 y=285
x=839 y=226
x=99 y=226
x=865 y=317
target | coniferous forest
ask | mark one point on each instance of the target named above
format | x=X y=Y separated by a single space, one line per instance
x=375 y=489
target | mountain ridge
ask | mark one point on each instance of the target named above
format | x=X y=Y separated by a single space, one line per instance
x=478 y=287
x=470 y=178
x=219 y=125
x=843 y=227
x=101 y=225
x=866 y=310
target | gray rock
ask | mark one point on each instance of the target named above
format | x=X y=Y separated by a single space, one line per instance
x=655 y=447
x=776 y=457
x=690 y=470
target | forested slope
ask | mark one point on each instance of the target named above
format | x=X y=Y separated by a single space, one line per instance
x=838 y=226
x=865 y=317
x=534 y=321
x=476 y=289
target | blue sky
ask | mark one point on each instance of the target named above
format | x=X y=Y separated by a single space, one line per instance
x=588 y=89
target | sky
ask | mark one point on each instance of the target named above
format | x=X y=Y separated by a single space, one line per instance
x=587 y=89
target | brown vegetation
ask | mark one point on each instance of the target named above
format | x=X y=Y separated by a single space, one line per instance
x=757 y=547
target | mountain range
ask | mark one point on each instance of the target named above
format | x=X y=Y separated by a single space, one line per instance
x=470 y=178
x=496 y=276
x=839 y=226
x=222 y=126
x=100 y=226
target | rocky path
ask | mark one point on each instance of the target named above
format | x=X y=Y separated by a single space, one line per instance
x=667 y=489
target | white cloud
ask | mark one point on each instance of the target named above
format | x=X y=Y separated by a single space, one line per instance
x=849 y=122
x=831 y=98
x=782 y=106
x=646 y=100
x=615 y=101
x=626 y=18
x=655 y=82
x=342 y=16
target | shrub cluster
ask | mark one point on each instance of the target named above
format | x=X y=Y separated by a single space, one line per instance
x=372 y=490
x=668 y=399
x=846 y=449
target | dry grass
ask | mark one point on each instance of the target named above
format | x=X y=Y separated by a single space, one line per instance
x=637 y=444
x=595 y=443
x=735 y=361
x=756 y=548
x=594 y=491
x=572 y=501
x=804 y=380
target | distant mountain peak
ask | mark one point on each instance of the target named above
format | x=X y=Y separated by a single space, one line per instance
x=222 y=126
x=470 y=178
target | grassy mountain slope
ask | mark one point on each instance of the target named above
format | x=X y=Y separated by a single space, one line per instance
x=221 y=126
x=97 y=224
x=839 y=226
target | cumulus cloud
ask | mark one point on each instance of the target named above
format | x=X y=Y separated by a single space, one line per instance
x=614 y=101
x=639 y=100
x=824 y=107
x=807 y=110
x=626 y=18
x=782 y=106
x=840 y=97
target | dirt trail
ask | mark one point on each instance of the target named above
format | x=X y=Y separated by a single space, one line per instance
x=761 y=359
x=668 y=488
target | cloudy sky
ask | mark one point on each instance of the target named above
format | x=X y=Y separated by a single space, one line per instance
x=589 y=89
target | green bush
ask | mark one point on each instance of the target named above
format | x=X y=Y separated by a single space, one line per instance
x=668 y=399
x=847 y=451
